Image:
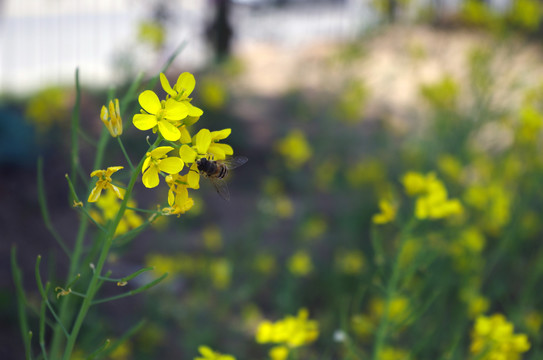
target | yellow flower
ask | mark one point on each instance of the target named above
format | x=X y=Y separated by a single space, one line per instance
x=212 y=238
x=178 y=195
x=104 y=182
x=205 y=143
x=156 y=161
x=350 y=262
x=208 y=354
x=493 y=338
x=279 y=353
x=152 y=32
x=112 y=118
x=221 y=272
x=295 y=149
x=432 y=201
x=387 y=214
x=290 y=331
x=167 y=115
x=181 y=90
x=300 y=264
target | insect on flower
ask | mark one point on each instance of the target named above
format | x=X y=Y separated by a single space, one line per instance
x=216 y=171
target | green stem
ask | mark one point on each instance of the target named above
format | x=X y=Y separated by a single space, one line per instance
x=92 y=288
x=132 y=292
x=21 y=301
x=75 y=128
x=125 y=153
x=391 y=289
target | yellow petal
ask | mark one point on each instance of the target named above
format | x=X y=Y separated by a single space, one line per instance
x=202 y=141
x=171 y=165
x=98 y=173
x=187 y=154
x=185 y=135
x=149 y=101
x=144 y=121
x=185 y=84
x=193 y=110
x=174 y=110
x=166 y=85
x=95 y=193
x=160 y=151
x=193 y=177
x=146 y=164
x=117 y=190
x=150 y=177
x=168 y=131
x=220 y=150
x=221 y=134
x=112 y=169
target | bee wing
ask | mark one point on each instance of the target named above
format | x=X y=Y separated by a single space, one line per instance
x=235 y=161
x=221 y=187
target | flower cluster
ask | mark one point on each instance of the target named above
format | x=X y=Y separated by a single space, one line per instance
x=493 y=338
x=290 y=332
x=432 y=198
x=171 y=117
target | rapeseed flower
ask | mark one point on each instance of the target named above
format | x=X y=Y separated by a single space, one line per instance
x=208 y=354
x=104 y=182
x=300 y=264
x=181 y=90
x=290 y=332
x=295 y=149
x=387 y=214
x=432 y=201
x=112 y=118
x=165 y=115
x=156 y=161
x=178 y=195
x=492 y=338
x=204 y=144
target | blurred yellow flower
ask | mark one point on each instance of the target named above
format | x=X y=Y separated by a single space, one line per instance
x=122 y=352
x=526 y=14
x=492 y=338
x=279 y=353
x=313 y=228
x=291 y=331
x=212 y=238
x=387 y=214
x=208 y=354
x=153 y=33
x=295 y=149
x=213 y=93
x=284 y=207
x=108 y=205
x=432 y=201
x=390 y=353
x=350 y=262
x=47 y=107
x=533 y=321
x=300 y=264
x=265 y=263
x=221 y=272
x=399 y=308
x=363 y=326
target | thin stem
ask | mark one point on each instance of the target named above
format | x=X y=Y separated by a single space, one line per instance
x=43 y=294
x=75 y=128
x=21 y=301
x=132 y=292
x=97 y=352
x=129 y=277
x=42 y=325
x=125 y=153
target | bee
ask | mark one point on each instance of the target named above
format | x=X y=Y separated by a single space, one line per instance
x=216 y=171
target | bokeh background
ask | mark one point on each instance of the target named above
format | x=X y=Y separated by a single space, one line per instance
x=332 y=101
